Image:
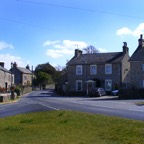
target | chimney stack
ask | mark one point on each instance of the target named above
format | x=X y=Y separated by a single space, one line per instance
x=125 y=48
x=15 y=64
x=28 y=67
x=78 y=52
x=141 y=41
x=2 y=64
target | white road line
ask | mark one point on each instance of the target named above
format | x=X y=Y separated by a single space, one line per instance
x=31 y=102
x=49 y=106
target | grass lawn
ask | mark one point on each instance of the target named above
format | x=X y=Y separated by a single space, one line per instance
x=67 y=127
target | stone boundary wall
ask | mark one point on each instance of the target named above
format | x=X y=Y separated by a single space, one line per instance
x=27 y=90
x=6 y=97
x=131 y=93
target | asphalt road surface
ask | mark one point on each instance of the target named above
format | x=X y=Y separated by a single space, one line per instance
x=47 y=100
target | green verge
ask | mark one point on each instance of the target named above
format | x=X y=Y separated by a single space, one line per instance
x=67 y=127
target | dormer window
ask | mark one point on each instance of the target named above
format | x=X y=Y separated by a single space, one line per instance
x=108 y=69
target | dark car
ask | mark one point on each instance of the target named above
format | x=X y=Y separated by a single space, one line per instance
x=97 y=92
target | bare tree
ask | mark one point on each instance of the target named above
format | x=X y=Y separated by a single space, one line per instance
x=90 y=50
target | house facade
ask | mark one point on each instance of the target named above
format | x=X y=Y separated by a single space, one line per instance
x=22 y=76
x=107 y=70
x=137 y=65
x=6 y=78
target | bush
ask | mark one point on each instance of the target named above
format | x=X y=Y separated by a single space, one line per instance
x=2 y=90
x=18 y=89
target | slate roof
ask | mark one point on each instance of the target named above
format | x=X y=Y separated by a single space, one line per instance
x=138 y=55
x=4 y=69
x=24 y=70
x=97 y=58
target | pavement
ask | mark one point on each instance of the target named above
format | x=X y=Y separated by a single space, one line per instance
x=114 y=102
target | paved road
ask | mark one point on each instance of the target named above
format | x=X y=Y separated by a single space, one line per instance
x=47 y=100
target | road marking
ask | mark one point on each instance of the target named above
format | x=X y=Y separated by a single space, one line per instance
x=49 y=106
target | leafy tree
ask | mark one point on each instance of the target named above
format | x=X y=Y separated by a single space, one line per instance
x=90 y=50
x=47 y=68
x=54 y=73
x=42 y=78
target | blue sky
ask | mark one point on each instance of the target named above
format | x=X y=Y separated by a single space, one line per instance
x=40 y=31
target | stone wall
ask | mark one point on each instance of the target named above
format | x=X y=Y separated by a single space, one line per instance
x=27 y=90
x=6 y=97
x=136 y=74
x=131 y=93
x=2 y=80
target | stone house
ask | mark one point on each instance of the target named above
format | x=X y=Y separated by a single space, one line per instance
x=6 y=78
x=22 y=76
x=137 y=65
x=107 y=70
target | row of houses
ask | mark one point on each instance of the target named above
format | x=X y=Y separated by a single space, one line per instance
x=111 y=71
x=15 y=76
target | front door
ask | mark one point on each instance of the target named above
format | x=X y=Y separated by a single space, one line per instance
x=6 y=86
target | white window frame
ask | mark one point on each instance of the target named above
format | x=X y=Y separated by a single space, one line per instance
x=106 y=85
x=77 y=85
x=142 y=67
x=25 y=77
x=79 y=70
x=93 y=69
x=142 y=83
x=108 y=68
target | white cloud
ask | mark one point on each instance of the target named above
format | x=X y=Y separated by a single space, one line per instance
x=101 y=50
x=4 y=45
x=139 y=30
x=126 y=31
x=47 y=43
x=54 y=53
x=7 y=59
x=64 y=48
x=68 y=44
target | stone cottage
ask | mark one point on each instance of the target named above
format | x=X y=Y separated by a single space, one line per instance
x=107 y=70
x=6 y=78
x=22 y=75
x=137 y=65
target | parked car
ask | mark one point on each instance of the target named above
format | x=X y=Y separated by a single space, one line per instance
x=97 y=92
x=115 y=92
